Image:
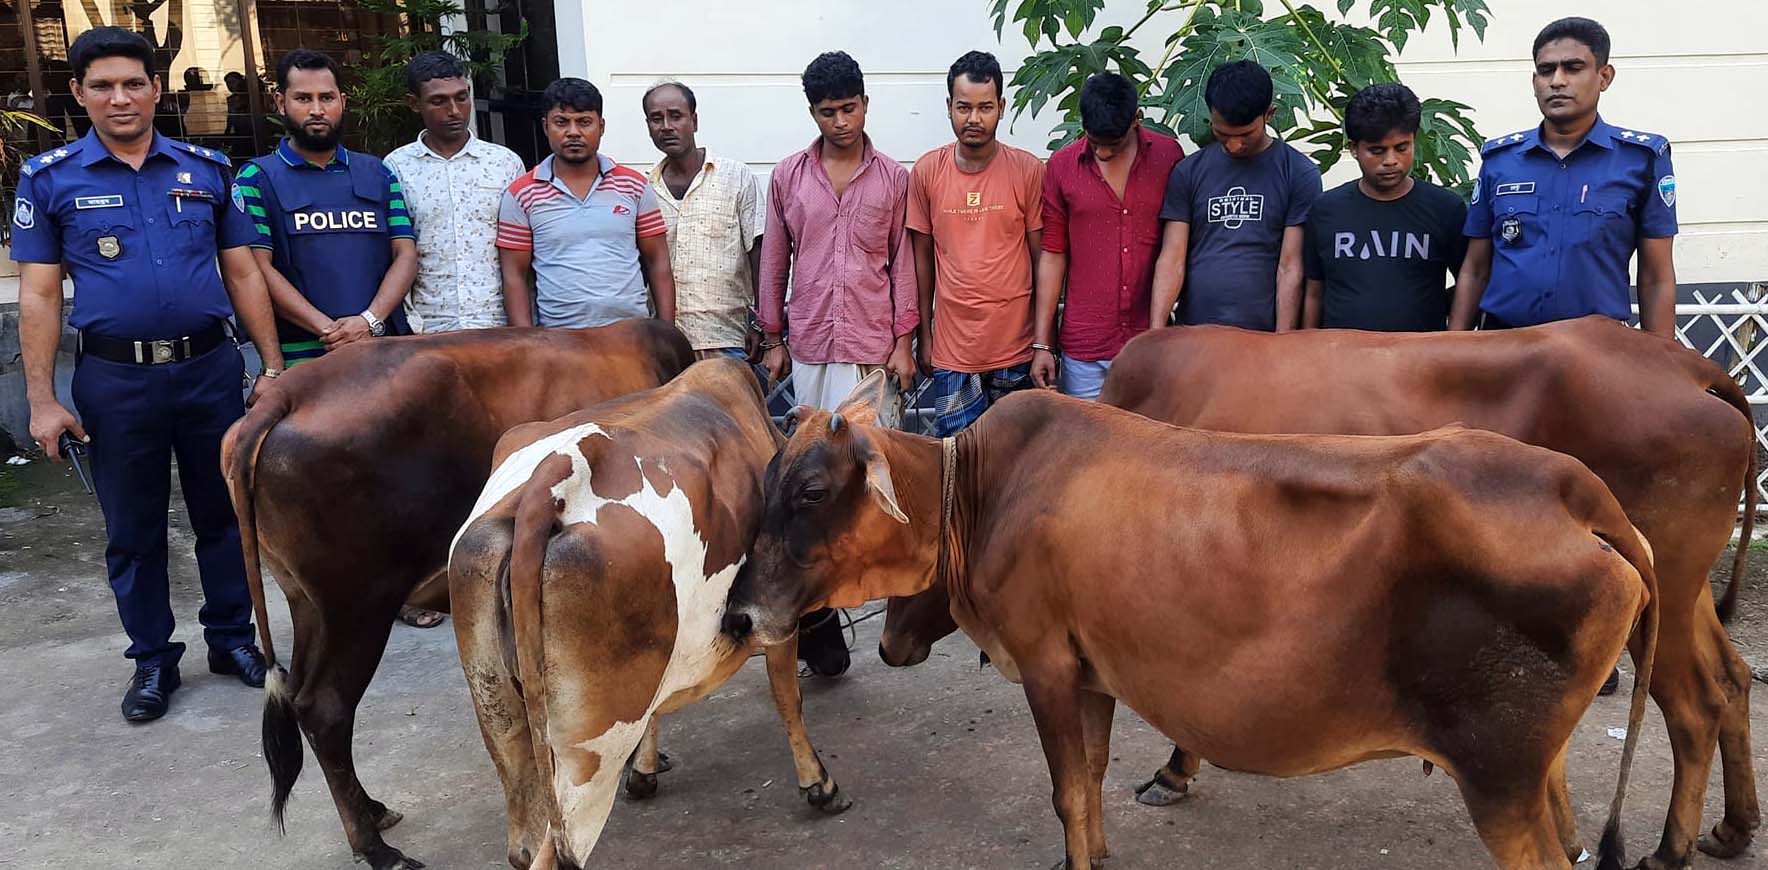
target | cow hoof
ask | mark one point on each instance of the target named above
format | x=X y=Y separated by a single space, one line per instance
x=1092 y=864
x=641 y=786
x=1157 y=792
x=1724 y=842
x=384 y=818
x=385 y=857
x=831 y=801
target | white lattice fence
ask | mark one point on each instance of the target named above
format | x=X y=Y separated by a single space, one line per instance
x=1733 y=334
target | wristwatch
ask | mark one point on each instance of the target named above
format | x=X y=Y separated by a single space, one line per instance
x=376 y=326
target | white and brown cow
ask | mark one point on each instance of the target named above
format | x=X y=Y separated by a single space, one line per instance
x=588 y=584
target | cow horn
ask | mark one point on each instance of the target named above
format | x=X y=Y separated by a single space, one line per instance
x=835 y=423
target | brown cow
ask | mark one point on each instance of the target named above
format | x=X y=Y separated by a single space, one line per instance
x=1455 y=596
x=351 y=478
x=588 y=585
x=1666 y=429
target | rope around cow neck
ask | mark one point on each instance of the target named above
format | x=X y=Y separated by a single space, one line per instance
x=948 y=483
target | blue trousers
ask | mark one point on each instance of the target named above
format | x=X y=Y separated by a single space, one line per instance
x=139 y=418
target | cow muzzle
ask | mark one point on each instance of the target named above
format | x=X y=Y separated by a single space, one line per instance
x=914 y=656
x=737 y=625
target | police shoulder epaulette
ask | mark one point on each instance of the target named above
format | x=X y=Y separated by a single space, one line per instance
x=46 y=159
x=208 y=154
x=1502 y=142
x=1653 y=141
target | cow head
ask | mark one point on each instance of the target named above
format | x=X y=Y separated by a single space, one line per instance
x=834 y=532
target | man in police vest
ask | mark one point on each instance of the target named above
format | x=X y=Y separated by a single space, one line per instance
x=335 y=242
x=138 y=221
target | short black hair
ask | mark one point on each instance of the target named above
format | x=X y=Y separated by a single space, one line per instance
x=1239 y=91
x=1108 y=104
x=687 y=93
x=1594 y=36
x=977 y=66
x=571 y=95
x=1378 y=110
x=833 y=76
x=102 y=42
x=427 y=65
x=306 y=58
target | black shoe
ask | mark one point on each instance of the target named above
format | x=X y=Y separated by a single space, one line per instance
x=1612 y=683
x=822 y=645
x=244 y=662
x=150 y=692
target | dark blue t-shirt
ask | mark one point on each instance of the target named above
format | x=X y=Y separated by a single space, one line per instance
x=1238 y=209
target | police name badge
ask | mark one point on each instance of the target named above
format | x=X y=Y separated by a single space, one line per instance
x=1510 y=231
x=109 y=247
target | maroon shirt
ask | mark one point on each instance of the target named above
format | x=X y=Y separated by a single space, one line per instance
x=1111 y=243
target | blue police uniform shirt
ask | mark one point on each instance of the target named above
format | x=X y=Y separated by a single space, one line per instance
x=140 y=245
x=1563 y=231
x=329 y=229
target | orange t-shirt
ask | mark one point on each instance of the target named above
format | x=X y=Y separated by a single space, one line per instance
x=982 y=308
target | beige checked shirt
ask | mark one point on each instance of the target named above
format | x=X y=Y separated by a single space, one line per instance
x=711 y=231
x=453 y=203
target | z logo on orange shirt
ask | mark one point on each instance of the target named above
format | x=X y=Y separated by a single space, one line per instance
x=973 y=198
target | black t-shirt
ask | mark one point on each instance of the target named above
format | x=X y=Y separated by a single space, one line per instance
x=1385 y=264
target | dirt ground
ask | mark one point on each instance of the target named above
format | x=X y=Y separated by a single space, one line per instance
x=942 y=760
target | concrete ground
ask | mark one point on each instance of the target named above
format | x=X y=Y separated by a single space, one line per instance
x=942 y=760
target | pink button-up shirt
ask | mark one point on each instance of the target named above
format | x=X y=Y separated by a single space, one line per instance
x=852 y=271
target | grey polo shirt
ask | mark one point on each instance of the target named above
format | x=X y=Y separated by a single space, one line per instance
x=586 y=268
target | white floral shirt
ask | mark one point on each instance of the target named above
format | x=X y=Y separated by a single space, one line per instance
x=453 y=203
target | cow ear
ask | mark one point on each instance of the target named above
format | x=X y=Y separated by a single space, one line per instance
x=878 y=483
x=867 y=400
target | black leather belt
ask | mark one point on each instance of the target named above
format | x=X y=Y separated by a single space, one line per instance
x=156 y=352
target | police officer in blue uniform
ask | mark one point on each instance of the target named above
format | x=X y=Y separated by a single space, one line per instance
x=334 y=239
x=139 y=221
x=1559 y=210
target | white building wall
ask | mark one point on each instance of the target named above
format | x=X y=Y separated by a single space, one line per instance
x=1700 y=79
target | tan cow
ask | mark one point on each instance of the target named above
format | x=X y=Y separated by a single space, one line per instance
x=351 y=478
x=1667 y=430
x=1285 y=605
x=588 y=584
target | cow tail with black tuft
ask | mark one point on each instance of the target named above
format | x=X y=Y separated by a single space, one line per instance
x=1611 y=853
x=281 y=730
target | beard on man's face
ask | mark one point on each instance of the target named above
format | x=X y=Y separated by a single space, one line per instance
x=310 y=140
